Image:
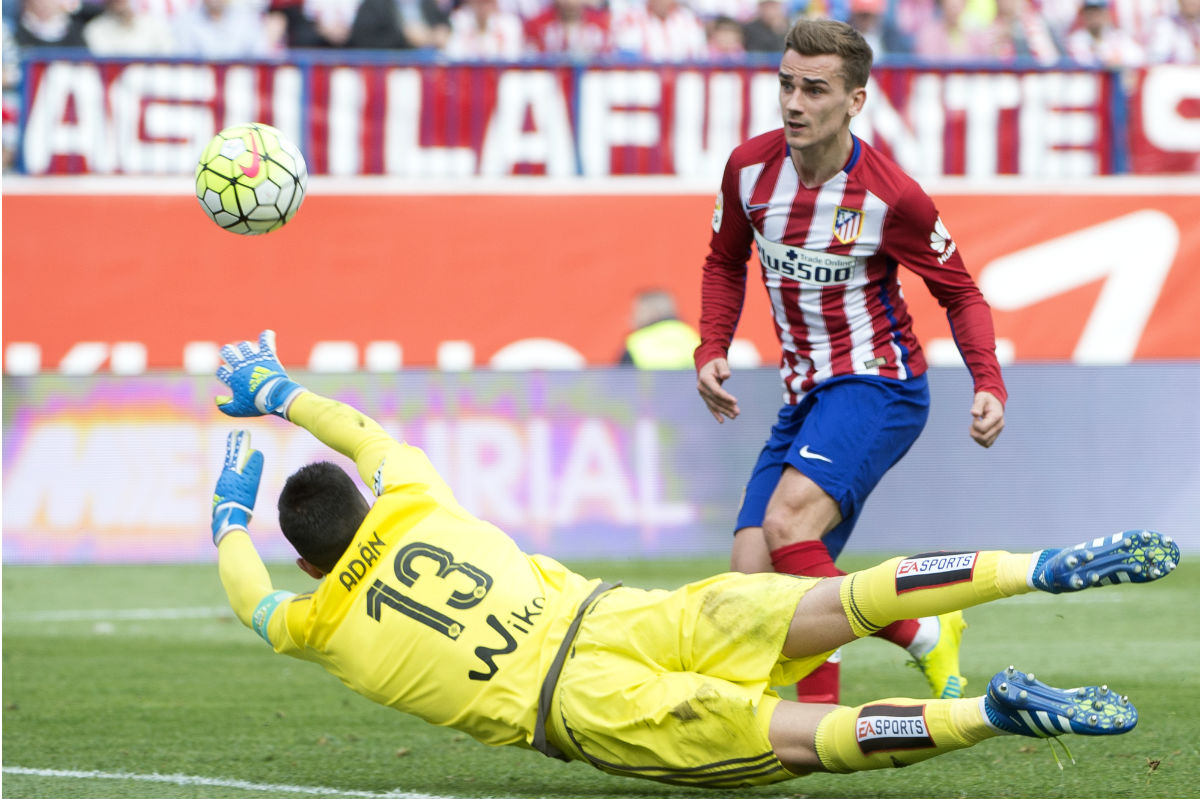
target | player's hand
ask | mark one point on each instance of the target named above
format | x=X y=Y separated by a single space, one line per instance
x=720 y=402
x=987 y=413
x=237 y=487
x=257 y=379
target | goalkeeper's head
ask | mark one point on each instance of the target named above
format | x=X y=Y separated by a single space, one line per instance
x=320 y=510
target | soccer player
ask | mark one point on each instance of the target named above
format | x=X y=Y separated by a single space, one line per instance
x=833 y=219
x=424 y=608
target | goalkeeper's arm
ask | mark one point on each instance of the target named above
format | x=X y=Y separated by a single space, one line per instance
x=260 y=386
x=343 y=429
x=243 y=574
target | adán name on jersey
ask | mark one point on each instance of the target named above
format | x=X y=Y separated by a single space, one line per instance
x=933 y=569
x=803 y=265
x=889 y=727
x=369 y=551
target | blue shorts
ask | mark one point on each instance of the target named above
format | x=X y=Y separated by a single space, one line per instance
x=844 y=435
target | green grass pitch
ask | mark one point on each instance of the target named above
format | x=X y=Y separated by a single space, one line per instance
x=136 y=681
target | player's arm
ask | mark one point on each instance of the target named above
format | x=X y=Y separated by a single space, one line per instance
x=920 y=242
x=260 y=385
x=722 y=294
x=248 y=586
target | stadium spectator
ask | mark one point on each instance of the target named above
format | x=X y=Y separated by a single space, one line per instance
x=832 y=218
x=710 y=10
x=481 y=30
x=1019 y=32
x=1097 y=42
x=524 y=10
x=122 y=30
x=1175 y=38
x=659 y=339
x=569 y=28
x=50 y=23
x=767 y=29
x=10 y=69
x=373 y=24
x=426 y=609
x=951 y=35
x=661 y=30
x=726 y=39
x=870 y=18
x=315 y=23
x=910 y=16
x=392 y=25
x=426 y=23
x=1060 y=16
x=221 y=29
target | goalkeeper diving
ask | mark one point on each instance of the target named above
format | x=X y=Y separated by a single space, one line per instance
x=425 y=608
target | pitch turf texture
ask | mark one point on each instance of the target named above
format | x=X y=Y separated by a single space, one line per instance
x=138 y=682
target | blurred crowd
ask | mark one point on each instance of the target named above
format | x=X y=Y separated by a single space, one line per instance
x=1118 y=33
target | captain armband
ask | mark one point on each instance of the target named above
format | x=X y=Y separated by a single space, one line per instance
x=262 y=613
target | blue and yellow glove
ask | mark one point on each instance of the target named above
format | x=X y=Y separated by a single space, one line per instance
x=237 y=487
x=254 y=374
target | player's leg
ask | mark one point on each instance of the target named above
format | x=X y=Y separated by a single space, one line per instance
x=675 y=686
x=797 y=516
x=897 y=732
x=850 y=433
x=837 y=610
x=751 y=552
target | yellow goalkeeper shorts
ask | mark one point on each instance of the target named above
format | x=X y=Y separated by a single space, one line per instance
x=675 y=686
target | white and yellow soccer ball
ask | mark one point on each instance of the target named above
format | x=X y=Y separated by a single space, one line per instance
x=251 y=179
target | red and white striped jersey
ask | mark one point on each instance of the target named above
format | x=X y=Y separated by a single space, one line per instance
x=829 y=258
x=679 y=36
x=586 y=37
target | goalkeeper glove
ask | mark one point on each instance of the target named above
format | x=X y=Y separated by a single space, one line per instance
x=259 y=384
x=237 y=487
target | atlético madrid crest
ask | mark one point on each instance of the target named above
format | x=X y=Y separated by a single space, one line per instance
x=847 y=224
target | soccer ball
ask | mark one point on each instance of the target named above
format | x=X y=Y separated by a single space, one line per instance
x=251 y=179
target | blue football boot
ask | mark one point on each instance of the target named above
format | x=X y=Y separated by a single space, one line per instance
x=1019 y=704
x=1134 y=556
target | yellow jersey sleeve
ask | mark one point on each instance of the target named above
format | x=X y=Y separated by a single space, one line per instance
x=383 y=463
x=254 y=600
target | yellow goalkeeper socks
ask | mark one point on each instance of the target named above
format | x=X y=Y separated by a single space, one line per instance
x=892 y=733
x=929 y=585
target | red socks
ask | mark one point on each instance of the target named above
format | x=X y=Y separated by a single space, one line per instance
x=805 y=559
x=811 y=559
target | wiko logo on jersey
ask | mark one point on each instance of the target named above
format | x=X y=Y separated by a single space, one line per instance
x=883 y=728
x=941 y=243
x=933 y=569
x=847 y=224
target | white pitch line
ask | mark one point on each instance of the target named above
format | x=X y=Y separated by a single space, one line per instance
x=122 y=614
x=186 y=779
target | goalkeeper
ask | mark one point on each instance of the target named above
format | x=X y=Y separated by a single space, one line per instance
x=424 y=608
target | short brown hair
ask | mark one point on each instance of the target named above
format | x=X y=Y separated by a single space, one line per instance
x=830 y=37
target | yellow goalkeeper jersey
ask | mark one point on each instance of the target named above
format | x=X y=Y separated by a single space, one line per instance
x=430 y=610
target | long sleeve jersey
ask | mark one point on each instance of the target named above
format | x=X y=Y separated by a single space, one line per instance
x=830 y=258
